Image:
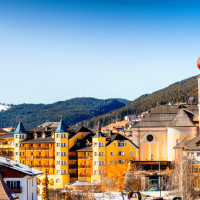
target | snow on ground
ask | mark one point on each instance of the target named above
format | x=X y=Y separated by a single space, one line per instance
x=118 y=196
x=4 y=107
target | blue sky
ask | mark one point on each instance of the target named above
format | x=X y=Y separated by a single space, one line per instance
x=57 y=50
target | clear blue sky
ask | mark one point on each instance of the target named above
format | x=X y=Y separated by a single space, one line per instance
x=57 y=50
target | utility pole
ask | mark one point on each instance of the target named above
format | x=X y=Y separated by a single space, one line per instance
x=159 y=180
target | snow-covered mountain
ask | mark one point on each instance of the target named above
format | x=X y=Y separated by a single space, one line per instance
x=4 y=107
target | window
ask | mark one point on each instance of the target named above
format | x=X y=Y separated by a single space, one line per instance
x=101 y=162
x=198 y=154
x=121 y=161
x=95 y=162
x=96 y=172
x=63 y=144
x=16 y=136
x=101 y=153
x=16 y=153
x=57 y=162
x=63 y=153
x=63 y=135
x=57 y=171
x=63 y=162
x=101 y=144
x=58 y=180
x=95 y=144
x=20 y=153
x=112 y=153
x=23 y=136
x=112 y=162
x=125 y=143
x=13 y=184
x=57 y=153
x=120 y=144
x=20 y=145
x=96 y=153
x=16 y=145
x=57 y=144
x=131 y=153
x=188 y=154
x=121 y=153
x=57 y=135
x=64 y=171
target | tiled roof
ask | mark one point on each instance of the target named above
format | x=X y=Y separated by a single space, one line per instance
x=5 y=192
x=170 y=116
x=181 y=144
x=7 y=135
x=109 y=139
x=19 y=167
x=20 y=128
x=192 y=144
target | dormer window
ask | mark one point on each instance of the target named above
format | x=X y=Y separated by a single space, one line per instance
x=35 y=135
x=52 y=136
x=43 y=135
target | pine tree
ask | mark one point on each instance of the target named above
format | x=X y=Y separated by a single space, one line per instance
x=45 y=194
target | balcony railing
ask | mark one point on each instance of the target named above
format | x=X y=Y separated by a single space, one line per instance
x=73 y=166
x=44 y=157
x=84 y=166
x=17 y=190
x=36 y=148
x=44 y=166
x=84 y=175
x=73 y=157
x=85 y=157
x=74 y=175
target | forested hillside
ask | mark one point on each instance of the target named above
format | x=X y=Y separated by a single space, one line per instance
x=72 y=111
x=177 y=92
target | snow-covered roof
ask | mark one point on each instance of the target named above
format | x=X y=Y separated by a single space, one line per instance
x=19 y=167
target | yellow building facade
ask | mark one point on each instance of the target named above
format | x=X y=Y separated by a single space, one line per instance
x=72 y=153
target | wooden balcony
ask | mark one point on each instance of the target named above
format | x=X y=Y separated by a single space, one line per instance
x=85 y=166
x=36 y=148
x=85 y=158
x=73 y=166
x=73 y=157
x=44 y=166
x=17 y=190
x=44 y=157
x=84 y=175
x=74 y=175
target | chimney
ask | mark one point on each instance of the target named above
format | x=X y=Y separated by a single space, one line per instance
x=109 y=133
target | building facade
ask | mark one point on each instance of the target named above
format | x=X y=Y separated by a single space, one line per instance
x=68 y=154
x=21 y=179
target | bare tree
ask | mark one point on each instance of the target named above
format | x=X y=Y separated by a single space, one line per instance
x=182 y=177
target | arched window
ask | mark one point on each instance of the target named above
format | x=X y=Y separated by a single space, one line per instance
x=51 y=181
x=38 y=181
x=58 y=180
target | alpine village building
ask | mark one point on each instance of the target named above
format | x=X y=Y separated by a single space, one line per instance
x=71 y=153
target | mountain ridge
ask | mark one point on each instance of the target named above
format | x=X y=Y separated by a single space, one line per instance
x=72 y=111
x=179 y=91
